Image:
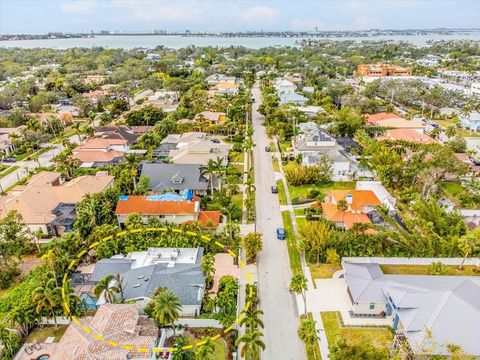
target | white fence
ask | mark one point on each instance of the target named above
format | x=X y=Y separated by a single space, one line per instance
x=411 y=261
x=199 y=323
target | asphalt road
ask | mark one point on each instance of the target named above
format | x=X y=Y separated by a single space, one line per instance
x=274 y=274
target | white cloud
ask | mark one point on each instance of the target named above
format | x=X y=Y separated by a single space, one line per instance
x=260 y=14
x=78 y=7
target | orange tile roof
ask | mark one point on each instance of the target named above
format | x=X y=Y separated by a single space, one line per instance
x=143 y=206
x=360 y=198
x=210 y=217
x=349 y=218
x=100 y=143
x=406 y=135
x=97 y=156
x=373 y=118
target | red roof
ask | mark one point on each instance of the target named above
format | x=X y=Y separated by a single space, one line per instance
x=208 y=218
x=142 y=205
x=373 y=118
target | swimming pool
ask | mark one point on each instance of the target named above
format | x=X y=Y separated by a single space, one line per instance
x=89 y=301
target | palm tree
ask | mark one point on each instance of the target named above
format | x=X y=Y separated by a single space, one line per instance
x=208 y=266
x=468 y=244
x=119 y=280
x=181 y=353
x=451 y=131
x=205 y=351
x=219 y=169
x=23 y=317
x=252 y=343
x=308 y=333
x=47 y=299
x=9 y=341
x=49 y=257
x=299 y=285
x=167 y=308
x=108 y=287
x=251 y=319
x=209 y=170
x=70 y=299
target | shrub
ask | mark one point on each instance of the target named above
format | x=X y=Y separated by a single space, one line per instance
x=7 y=275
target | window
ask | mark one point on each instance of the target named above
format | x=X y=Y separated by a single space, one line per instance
x=372 y=306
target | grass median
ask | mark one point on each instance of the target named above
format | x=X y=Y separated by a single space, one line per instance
x=293 y=253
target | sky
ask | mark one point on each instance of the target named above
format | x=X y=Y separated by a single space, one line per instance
x=42 y=16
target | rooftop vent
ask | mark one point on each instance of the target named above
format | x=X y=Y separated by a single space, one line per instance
x=137 y=285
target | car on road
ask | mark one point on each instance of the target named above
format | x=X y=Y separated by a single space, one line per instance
x=267 y=148
x=216 y=141
x=281 y=234
x=274 y=189
x=10 y=160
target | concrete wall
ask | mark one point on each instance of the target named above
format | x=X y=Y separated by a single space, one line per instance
x=410 y=261
x=364 y=308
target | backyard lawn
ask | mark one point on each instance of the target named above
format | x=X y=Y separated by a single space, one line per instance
x=41 y=334
x=323 y=271
x=297 y=192
x=293 y=253
x=460 y=131
x=380 y=337
x=220 y=352
x=455 y=192
x=423 y=270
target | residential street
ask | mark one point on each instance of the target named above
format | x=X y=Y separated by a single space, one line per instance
x=274 y=274
x=25 y=166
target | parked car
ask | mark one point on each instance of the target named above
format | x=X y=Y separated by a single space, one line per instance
x=216 y=141
x=267 y=148
x=274 y=190
x=281 y=234
x=10 y=160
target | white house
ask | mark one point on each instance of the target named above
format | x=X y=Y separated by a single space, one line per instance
x=284 y=86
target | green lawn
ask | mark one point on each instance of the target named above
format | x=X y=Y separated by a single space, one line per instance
x=423 y=270
x=312 y=349
x=276 y=167
x=297 y=192
x=22 y=156
x=378 y=337
x=460 y=131
x=299 y=212
x=41 y=334
x=285 y=145
x=293 y=253
x=455 y=192
x=281 y=193
x=323 y=271
x=237 y=199
x=220 y=352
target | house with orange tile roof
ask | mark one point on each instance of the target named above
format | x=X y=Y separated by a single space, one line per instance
x=169 y=207
x=98 y=152
x=408 y=135
x=391 y=120
x=359 y=204
x=227 y=87
x=47 y=202
x=112 y=324
x=211 y=117
x=382 y=70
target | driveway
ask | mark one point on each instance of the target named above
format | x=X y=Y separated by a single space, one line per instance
x=330 y=295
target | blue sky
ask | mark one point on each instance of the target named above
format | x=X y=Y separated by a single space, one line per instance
x=40 y=16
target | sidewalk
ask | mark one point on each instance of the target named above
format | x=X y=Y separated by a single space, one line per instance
x=322 y=342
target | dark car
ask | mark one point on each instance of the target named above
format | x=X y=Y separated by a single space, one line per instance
x=274 y=190
x=267 y=148
x=216 y=141
x=281 y=234
x=10 y=160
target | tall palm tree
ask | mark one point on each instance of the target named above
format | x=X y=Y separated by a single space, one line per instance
x=47 y=299
x=108 y=287
x=308 y=333
x=252 y=319
x=209 y=170
x=451 y=131
x=23 y=317
x=167 y=308
x=219 y=170
x=119 y=280
x=208 y=265
x=299 y=285
x=251 y=343
x=205 y=351
x=49 y=258
x=70 y=299
x=342 y=206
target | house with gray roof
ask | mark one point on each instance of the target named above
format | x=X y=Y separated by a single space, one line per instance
x=174 y=177
x=430 y=313
x=292 y=98
x=144 y=272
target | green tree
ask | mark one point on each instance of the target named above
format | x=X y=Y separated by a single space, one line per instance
x=469 y=244
x=14 y=238
x=208 y=266
x=437 y=268
x=252 y=243
x=23 y=317
x=9 y=341
x=333 y=257
x=299 y=285
x=107 y=287
x=167 y=308
x=342 y=206
x=251 y=344
x=181 y=353
x=48 y=299
x=308 y=332
x=205 y=351
x=252 y=319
